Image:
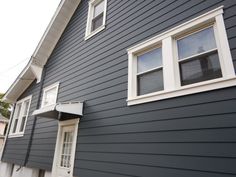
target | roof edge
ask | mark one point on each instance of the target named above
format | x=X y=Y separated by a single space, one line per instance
x=59 y=21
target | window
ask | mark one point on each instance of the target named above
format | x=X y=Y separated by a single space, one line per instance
x=50 y=95
x=20 y=117
x=190 y=58
x=96 y=17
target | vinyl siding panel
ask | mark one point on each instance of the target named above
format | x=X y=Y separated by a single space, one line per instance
x=192 y=135
x=43 y=144
x=117 y=140
x=107 y=169
x=16 y=148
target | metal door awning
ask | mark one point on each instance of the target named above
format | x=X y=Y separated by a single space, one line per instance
x=55 y=111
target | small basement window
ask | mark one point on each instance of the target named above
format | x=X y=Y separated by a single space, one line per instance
x=50 y=95
x=190 y=58
x=96 y=17
x=20 y=117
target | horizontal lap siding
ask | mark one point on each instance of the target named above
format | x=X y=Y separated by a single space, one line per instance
x=185 y=136
x=197 y=139
x=16 y=148
x=43 y=144
x=44 y=138
x=191 y=135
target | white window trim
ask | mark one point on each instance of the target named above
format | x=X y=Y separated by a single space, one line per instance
x=55 y=85
x=171 y=75
x=88 y=32
x=17 y=133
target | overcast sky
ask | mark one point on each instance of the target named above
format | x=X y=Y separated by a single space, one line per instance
x=22 y=24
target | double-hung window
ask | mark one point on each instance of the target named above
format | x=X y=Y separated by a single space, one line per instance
x=96 y=17
x=50 y=95
x=190 y=58
x=149 y=72
x=20 y=117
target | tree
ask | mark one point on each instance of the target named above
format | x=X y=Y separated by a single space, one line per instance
x=4 y=107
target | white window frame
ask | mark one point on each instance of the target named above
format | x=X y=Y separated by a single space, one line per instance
x=172 y=86
x=18 y=133
x=88 y=32
x=55 y=85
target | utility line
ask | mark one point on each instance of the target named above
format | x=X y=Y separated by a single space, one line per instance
x=14 y=66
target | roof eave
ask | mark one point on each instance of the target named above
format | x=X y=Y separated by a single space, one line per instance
x=22 y=82
x=43 y=50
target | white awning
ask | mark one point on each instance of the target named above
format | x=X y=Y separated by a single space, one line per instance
x=66 y=109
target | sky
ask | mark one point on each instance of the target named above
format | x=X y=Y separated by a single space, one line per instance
x=22 y=24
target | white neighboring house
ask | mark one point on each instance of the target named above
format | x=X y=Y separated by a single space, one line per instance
x=3 y=125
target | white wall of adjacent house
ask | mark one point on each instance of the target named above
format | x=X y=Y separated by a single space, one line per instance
x=7 y=170
x=2 y=137
x=1 y=143
x=2 y=128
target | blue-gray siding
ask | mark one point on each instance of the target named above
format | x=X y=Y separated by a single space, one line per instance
x=16 y=148
x=192 y=135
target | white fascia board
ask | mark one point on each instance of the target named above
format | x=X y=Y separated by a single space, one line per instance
x=57 y=24
x=25 y=78
x=52 y=34
x=43 y=50
x=48 y=28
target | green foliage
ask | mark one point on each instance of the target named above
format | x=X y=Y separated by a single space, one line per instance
x=4 y=107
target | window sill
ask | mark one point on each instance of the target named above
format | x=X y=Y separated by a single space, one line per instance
x=184 y=90
x=15 y=135
x=94 y=32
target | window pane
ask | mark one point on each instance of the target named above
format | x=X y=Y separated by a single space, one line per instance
x=15 y=125
x=150 y=82
x=50 y=97
x=18 y=110
x=97 y=22
x=16 y=116
x=199 y=69
x=98 y=9
x=196 y=43
x=26 y=107
x=66 y=149
x=150 y=60
x=22 y=123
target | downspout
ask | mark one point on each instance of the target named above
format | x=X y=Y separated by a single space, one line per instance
x=35 y=118
x=8 y=130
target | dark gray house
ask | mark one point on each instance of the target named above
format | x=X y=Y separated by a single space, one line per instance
x=136 y=88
